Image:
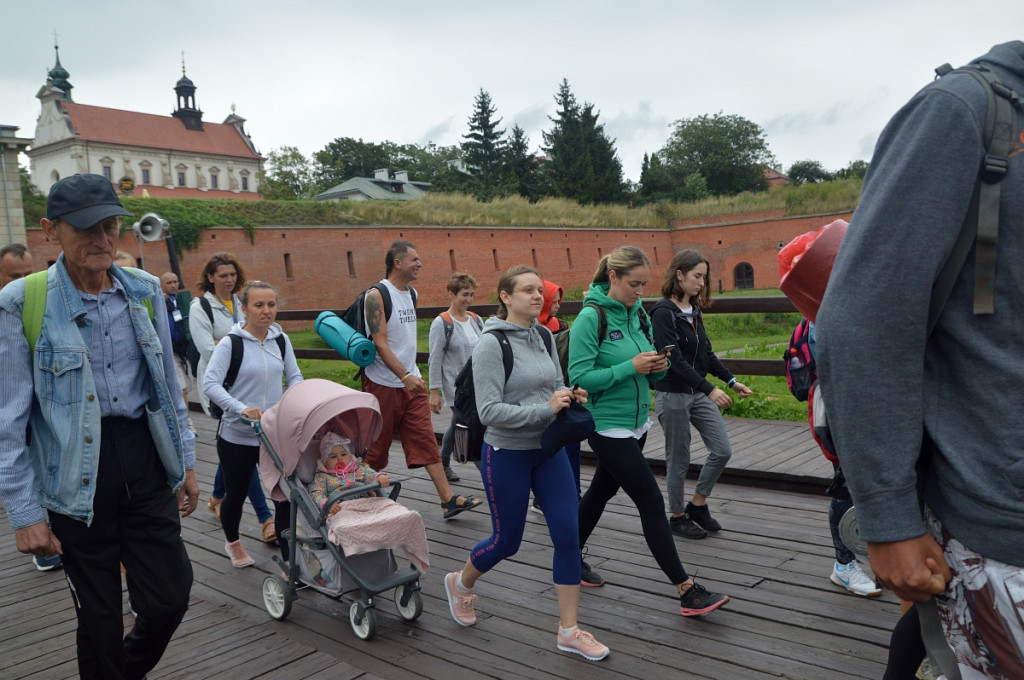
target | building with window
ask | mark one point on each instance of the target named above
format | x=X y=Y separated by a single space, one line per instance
x=146 y=154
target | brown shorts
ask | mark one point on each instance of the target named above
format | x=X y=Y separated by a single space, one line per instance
x=410 y=415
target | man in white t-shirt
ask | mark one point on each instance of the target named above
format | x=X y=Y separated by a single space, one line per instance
x=394 y=378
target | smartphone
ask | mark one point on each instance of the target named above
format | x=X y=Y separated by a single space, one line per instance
x=667 y=349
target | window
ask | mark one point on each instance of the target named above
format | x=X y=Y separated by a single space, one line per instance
x=145 y=176
x=351 y=264
x=494 y=254
x=108 y=173
x=288 y=274
x=54 y=176
x=245 y=183
x=213 y=181
x=533 y=252
x=743 y=275
x=451 y=260
x=181 y=179
x=568 y=257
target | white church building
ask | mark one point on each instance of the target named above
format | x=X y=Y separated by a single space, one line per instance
x=176 y=156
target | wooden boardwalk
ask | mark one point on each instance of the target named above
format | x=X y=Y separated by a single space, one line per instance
x=773 y=557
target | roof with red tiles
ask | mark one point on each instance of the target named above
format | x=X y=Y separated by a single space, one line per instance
x=187 y=192
x=100 y=124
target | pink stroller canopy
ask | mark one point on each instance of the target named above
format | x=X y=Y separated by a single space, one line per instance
x=308 y=409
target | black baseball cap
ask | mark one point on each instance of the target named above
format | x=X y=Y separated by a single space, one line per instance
x=83 y=200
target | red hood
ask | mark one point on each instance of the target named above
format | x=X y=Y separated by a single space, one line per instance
x=552 y=292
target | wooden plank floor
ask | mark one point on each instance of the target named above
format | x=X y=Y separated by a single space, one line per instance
x=773 y=557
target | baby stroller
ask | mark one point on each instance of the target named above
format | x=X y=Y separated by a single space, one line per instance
x=289 y=433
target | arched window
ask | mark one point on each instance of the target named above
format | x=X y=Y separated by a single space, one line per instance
x=743 y=276
x=54 y=176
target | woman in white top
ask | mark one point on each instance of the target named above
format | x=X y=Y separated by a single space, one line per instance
x=453 y=335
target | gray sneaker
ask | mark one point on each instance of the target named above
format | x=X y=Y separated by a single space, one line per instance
x=450 y=474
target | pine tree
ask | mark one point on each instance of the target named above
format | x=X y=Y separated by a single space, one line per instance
x=484 y=147
x=521 y=167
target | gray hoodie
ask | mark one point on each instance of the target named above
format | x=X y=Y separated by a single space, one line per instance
x=516 y=413
x=259 y=381
x=885 y=382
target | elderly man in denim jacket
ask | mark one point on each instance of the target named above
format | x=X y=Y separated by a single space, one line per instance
x=93 y=430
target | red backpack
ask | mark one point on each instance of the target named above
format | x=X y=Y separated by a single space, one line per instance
x=800 y=370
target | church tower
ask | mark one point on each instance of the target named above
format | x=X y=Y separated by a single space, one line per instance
x=58 y=77
x=187 y=111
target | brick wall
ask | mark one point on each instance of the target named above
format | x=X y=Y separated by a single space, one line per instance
x=330 y=265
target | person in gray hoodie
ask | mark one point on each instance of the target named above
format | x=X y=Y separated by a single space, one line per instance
x=516 y=412
x=911 y=411
x=257 y=387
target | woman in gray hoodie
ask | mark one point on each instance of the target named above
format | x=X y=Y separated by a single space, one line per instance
x=266 y=359
x=516 y=412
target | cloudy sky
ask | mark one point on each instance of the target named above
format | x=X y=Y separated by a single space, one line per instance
x=820 y=77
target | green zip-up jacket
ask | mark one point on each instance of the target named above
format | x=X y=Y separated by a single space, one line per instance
x=619 y=397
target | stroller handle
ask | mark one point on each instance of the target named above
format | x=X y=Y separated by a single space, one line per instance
x=254 y=423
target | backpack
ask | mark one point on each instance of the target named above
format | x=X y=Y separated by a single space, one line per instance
x=468 y=430
x=562 y=338
x=355 y=317
x=191 y=351
x=801 y=372
x=449 y=326
x=237 y=350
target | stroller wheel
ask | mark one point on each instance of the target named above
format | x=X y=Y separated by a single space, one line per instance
x=413 y=607
x=277 y=597
x=364 y=627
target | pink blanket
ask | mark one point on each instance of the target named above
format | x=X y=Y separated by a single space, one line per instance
x=367 y=524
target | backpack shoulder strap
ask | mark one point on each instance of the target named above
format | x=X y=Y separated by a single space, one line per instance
x=204 y=302
x=34 y=308
x=237 y=349
x=476 y=318
x=602 y=321
x=449 y=327
x=981 y=224
x=385 y=298
x=506 y=351
x=414 y=294
x=548 y=337
x=280 y=345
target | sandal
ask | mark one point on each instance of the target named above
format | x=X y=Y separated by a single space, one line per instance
x=453 y=507
x=214 y=506
x=269 y=534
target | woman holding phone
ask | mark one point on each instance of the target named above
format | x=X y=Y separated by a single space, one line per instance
x=614 y=361
x=685 y=396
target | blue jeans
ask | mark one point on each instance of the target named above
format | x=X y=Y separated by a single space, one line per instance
x=256 y=496
x=508 y=476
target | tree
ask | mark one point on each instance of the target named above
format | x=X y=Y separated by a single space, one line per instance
x=855 y=170
x=287 y=175
x=32 y=200
x=582 y=161
x=802 y=172
x=521 y=166
x=484 y=147
x=345 y=158
x=729 y=152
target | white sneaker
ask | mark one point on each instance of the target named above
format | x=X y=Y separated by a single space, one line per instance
x=853 y=578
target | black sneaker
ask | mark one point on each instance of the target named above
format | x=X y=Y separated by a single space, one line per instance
x=685 y=527
x=588 y=577
x=701 y=516
x=699 y=600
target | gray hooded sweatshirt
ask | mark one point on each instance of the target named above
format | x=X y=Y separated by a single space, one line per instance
x=885 y=381
x=515 y=413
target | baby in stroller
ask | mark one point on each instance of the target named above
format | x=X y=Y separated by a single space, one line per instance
x=339 y=470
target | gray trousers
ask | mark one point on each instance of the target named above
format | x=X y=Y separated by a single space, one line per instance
x=675 y=412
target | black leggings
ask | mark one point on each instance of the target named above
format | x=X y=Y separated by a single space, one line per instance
x=906 y=649
x=621 y=464
x=237 y=461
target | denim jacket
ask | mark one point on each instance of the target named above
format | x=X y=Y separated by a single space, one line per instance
x=64 y=416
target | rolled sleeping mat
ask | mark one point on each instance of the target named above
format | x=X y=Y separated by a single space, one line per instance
x=345 y=340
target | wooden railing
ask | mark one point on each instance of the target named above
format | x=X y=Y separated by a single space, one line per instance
x=722 y=305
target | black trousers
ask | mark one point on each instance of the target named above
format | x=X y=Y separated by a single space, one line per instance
x=237 y=461
x=621 y=465
x=135 y=523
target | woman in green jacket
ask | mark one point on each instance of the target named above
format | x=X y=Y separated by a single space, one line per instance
x=615 y=361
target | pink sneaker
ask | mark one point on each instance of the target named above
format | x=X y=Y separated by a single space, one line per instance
x=460 y=604
x=583 y=643
x=239 y=558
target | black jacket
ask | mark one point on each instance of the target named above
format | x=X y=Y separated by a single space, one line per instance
x=692 y=359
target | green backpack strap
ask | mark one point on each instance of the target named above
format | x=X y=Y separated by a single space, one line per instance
x=34 y=307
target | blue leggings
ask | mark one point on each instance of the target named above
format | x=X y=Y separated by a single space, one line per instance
x=508 y=476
